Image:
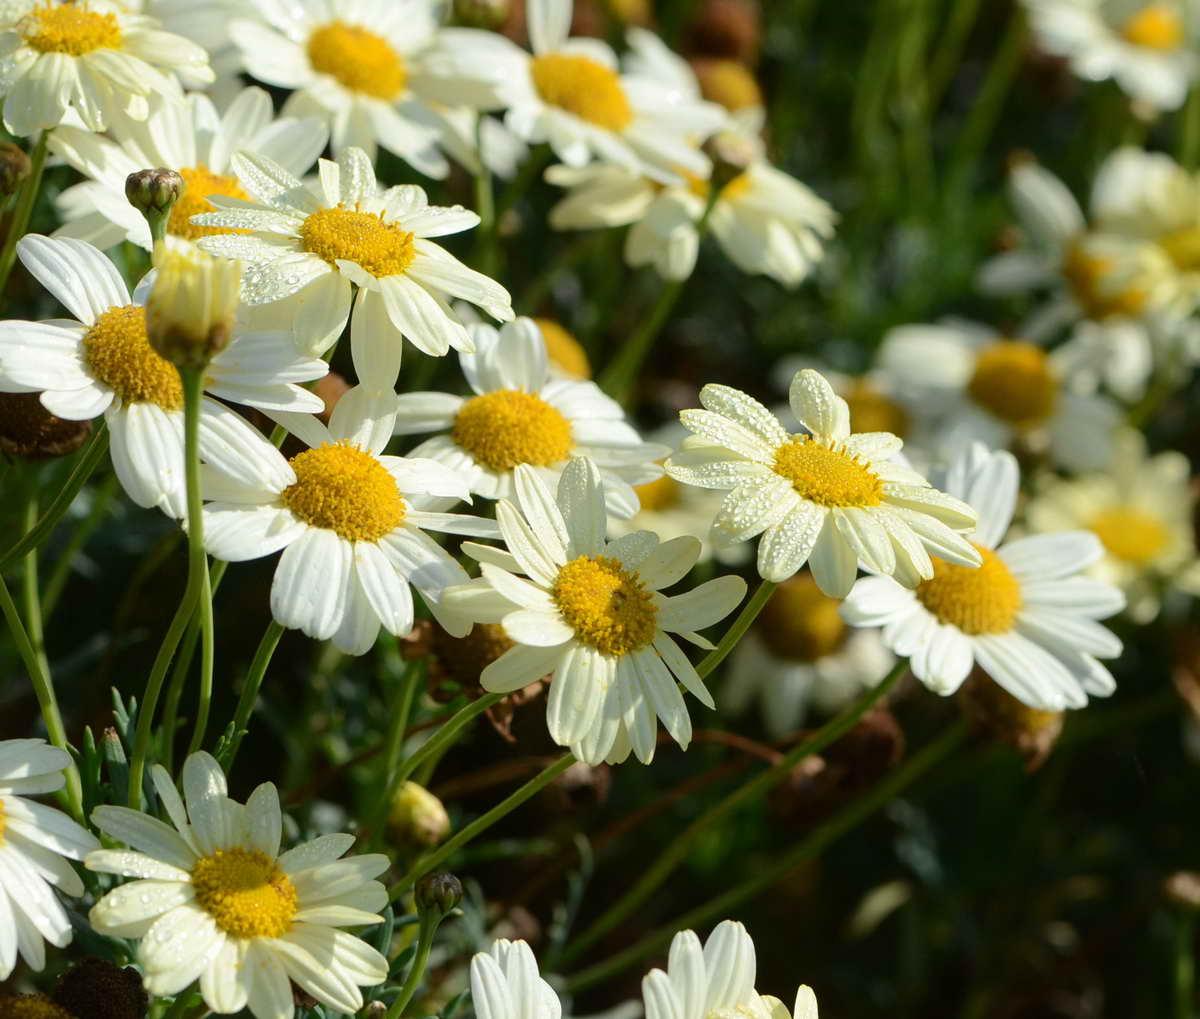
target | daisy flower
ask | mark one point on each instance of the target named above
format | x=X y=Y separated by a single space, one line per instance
x=216 y=901
x=350 y=522
x=93 y=58
x=505 y=984
x=590 y=611
x=521 y=414
x=1025 y=616
x=962 y=383
x=190 y=137
x=36 y=842
x=1146 y=46
x=1141 y=508
x=828 y=498
x=716 y=979
x=800 y=653
x=353 y=63
x=101 y=362
x=570 y=93
x=315 y=247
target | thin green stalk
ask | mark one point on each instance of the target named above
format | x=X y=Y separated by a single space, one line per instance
x=429 y=926
x=93 y=452
x=30 y=592
x=22 y=210
x=43 y=688
x=197 y=583
x=250 y=688
x=951 y=39
x=846 y=820
x=480 y=824
x=1185 y=964
x=737 y=628
x=84 y=530
x=679 y=847
x=447 y=734
x=207 y=642
x=400 y=710
x=1188 y=145
x=487 y=237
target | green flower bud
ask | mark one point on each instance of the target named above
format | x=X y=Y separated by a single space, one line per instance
x=440 y=890
x=417 y=817
x=489 y=14
x=153 y=192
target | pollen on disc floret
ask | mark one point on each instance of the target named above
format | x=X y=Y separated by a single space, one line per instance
x=201 y=182
x=117 y=351
x=1013 y=380
x=584 y=87
x=827 y=475
x=381 y=248
x=1130 y=535
x=344 y=489
x=606 y=605
x=245 y=892
x=70 y=29
x=974 y=600
x=509 y=427
x=359 y=59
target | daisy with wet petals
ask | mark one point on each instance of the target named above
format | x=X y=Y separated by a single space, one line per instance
x=101 y=362
x=716 y=980
x=316 y=247
x=350 y=522
x=824 y=496
x=590 y=611
x=505 y=984
x=521 y=414
x=214 y=900
x=93 y=58
x=1025 y=617
x=36 y=842
x=191 y=137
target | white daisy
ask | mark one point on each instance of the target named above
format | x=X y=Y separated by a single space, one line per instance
x=92 y=57
x=798 y=654
x=216 y=901
x=827 y=498
x=505 y=984
x=102 y=363
x=36 y=842
x=570 y=93
x=962 y=383
x=590 y=611
x=350 y=522
x=1141 y=508
x=353 y=63
x=1025 y=617
x=190 y=137
x=315 y=248
x=1146 y=46
x=521 y=414
x=716 y=980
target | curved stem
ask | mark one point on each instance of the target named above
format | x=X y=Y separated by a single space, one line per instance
x=1185 y=965
x=22 y=210
x=397 y=724
x=249 y=694
x=429 y=926
x=207 y=638
x=480 y=824
x=31 y=602
x=485 y=206
x=677 y=850
x=822 y=836
x=737 y=629
x=446 y=735
x=101 y=502
x=93 y=452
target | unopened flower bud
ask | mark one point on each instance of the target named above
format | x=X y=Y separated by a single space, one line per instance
x=489 y=14
x=153 y=192
x=732 y=154
x=727 y=28
x=193 y=304
x=98 y=989
x=727 y=82
x=416 y=817
x=440 y=890
x=14 y=168
x=29 y=431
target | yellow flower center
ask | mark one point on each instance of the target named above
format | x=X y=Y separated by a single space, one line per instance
x=1183 y=248
x=701 y=187
x=872 y=411
x=1092 y=281
x=245 y=892
x=508 y=427
x=564 y=351
x=117 y=351
x=605 y=604
x=344 y=489
x=983 y=600
x=201 y=182
x=358 y=59
x=70 y=28
x=31 y=1006
x=800 y=623
x=1156 y=26
x=827 y=475
x=659 y=495
x=727 y=82
x=1131 y=535
x=382 y=249
x=1012 y=380
x=584 y=87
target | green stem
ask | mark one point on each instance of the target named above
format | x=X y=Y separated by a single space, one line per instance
x=447 y=734
x=846 y=820
x=679 y=847
x=93 y=452
x=30 y=596
x=22 y=210
x=1188 y=145
x=1185 y=964
x=207 y=639
x=429 y=926
x=737 y=629
x=258 y=669
x=43 y=688
x=79 y=538
x=401 y=709
x=485 y=206
x=951 y=38
x=197 y=583
x=521 y=183
x=480 y=824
